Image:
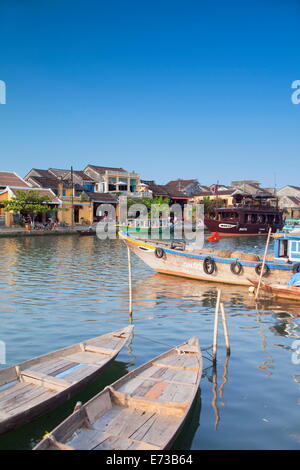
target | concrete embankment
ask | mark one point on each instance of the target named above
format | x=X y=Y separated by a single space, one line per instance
x=36 y=233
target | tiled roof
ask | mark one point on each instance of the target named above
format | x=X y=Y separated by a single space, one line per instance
x=40 y=191
x=179 y=185
x=102 y=197
x=9 y=178
x=102 y=169
x=58 y=172
x=45 y=181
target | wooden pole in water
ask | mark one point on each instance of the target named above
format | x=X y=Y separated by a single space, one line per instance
x=225 y=328
x=215 y=340
x=129 y=283
x=263 y=263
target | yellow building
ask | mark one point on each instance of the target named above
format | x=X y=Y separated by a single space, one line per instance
x=226 y=197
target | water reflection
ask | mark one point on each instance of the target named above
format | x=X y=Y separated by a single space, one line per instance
x=61 y=290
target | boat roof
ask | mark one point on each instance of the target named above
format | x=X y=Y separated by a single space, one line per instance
x=286 y=236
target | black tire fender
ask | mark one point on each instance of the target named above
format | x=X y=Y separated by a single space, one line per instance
x=258 y=269
x=209 y=265
x=159 y=253
x=236 y=268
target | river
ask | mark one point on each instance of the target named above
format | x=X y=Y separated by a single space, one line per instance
x=57 y=291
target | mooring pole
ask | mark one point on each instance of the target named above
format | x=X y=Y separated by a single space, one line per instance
x=129 y=283
x=263 y=263
x=225 y=328
x=215 y=340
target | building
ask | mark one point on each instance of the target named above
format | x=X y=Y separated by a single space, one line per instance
x=9 y=218
x=188 y=187
x=108 y=179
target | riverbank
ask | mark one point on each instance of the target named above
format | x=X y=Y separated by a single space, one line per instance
x=21 y=232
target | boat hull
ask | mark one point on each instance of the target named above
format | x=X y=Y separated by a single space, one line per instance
x=236 y=229
x=26 y=392
x=191 y=265
x=286 y=292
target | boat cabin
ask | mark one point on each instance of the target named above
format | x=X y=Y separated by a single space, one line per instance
x=287 y=247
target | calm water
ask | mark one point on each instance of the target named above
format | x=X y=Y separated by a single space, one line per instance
x=61 y=290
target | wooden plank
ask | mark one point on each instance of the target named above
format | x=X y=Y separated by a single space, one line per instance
x=98 y=406
x=88 y=358
x=80 y=373
x=12 y=391
x=86 y=439
x=118 y=443
x=122 y=399
x=36 y=378
x=25 y=400
x=52 y=367
x=97 y=349
x=127 y=422
x=162 y=430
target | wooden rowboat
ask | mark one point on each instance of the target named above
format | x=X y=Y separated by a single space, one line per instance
x=143 y=410
x=35 y=386
x=279 y=290
x=86 y=233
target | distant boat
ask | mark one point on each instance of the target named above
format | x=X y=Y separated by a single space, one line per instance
x=279 y=290
x=251 y=215
x=144 y=410
x=36 y=386
x=146 y=226
x=291 y=226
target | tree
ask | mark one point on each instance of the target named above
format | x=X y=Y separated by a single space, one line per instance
x=29 y=201
x=211 y=204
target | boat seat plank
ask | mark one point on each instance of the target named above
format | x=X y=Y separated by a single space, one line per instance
x=103 y=421
x=179 y=360
x=88 y=358
x=177 y=393
x=99 y=350
x=48 y=381
x=86 y=439
x=109 y=343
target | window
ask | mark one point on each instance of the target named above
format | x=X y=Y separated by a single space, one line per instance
x=133 y=185
x=112 y=184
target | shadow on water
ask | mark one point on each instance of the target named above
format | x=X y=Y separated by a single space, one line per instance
x=26 y=437
x=185 y=438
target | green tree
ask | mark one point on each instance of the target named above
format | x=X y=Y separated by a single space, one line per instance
x=28 y=201
x=211 y=204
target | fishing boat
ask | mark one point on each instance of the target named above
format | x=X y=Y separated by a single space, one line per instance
x=40 y=384
x=279 y=290
x=144 y=410
x=229 y=267
x=249 y=215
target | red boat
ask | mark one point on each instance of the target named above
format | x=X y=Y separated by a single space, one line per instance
x=249 y=215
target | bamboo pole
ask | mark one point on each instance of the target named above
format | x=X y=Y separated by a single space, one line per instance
x=129 y=283
x=263 y=263
x=225 y=328
x=215 y=340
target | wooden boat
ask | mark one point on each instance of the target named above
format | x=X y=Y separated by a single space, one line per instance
x=35 y=386
x=86 y=233
x=144 y=410
x=225 y=266
x=250 y=215
x=279 y=290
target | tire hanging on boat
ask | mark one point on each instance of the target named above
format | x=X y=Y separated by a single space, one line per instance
x=209 y=265
x=236 y=268
x=296 y=268
x=258 y=269
x=159 y=253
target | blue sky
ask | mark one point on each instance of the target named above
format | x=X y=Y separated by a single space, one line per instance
x=170 y=89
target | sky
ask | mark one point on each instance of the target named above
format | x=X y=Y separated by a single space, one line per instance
x=169 y=89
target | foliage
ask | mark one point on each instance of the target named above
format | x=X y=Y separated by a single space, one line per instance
x=211 y=204
x=29 y=201
x=147 y=201
x=84 y=197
